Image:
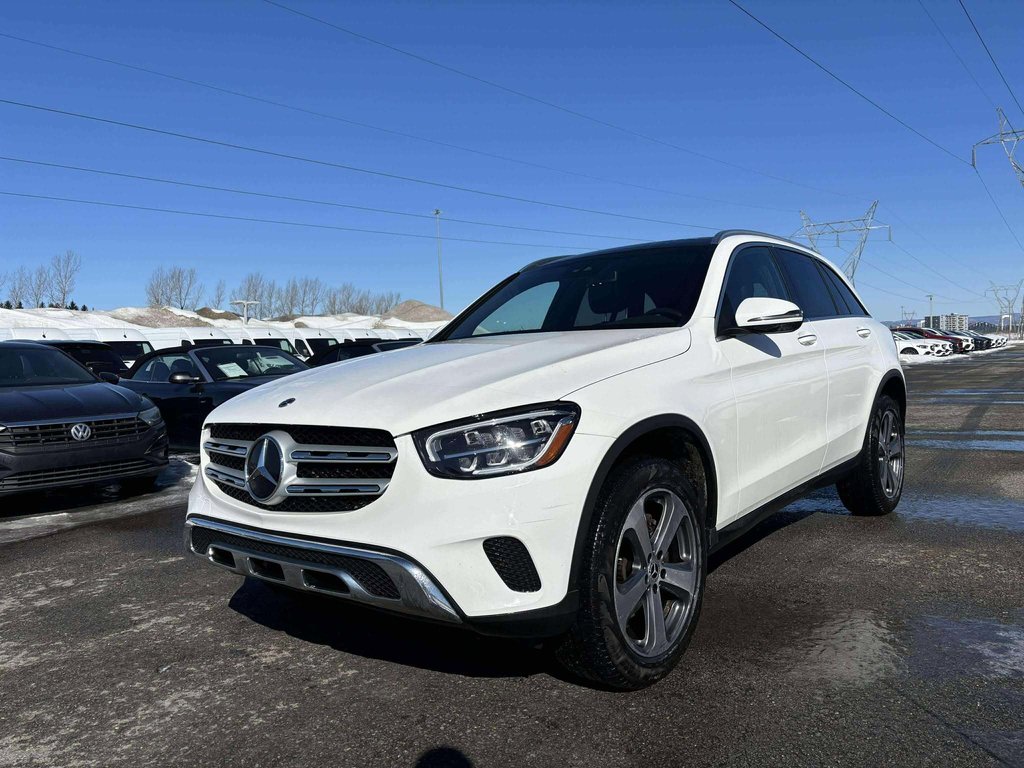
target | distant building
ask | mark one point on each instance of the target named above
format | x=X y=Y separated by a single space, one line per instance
x=952 y=322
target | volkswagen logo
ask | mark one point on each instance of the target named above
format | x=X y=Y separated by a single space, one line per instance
x=263 y=466
x=81 y=432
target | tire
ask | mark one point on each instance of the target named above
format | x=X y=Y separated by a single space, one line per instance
x=637 y=496
x=876 y=485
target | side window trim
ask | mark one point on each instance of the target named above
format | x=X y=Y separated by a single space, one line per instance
x=856 y=311
x=728 y=273
x=837 y=297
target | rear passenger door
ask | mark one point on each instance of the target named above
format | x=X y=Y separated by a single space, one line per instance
x=850 y=348
x=780 y=387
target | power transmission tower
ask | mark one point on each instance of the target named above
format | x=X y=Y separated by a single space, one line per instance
x=1009 y=139
x=1006 y=297
x=908 y=315
x=861 y=227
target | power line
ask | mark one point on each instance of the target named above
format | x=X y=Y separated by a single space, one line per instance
x=931 y=269
x=281 y=222
x=544 y=102
x=955 y=53
x=926 y=292
x=289 y=198
x=990 y=56
x=346 y=167
x=845 y=84
x=1000 y=210
x=382 y=129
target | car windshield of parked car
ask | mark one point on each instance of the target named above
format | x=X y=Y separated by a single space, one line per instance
x=239 y=362
x=130 y=350
x=96 y=358
x=643 y=288
x=40 y=367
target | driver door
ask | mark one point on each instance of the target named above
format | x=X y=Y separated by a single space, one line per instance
x=780 y=385
x=183 y=406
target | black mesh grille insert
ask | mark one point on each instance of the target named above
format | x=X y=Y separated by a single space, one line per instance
x=370 y=576
x=300 y=503
x=513 y=563
x=362 y=470
x=226 y=460
x=307 y=435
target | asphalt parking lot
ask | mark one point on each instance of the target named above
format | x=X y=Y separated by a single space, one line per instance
x=825 y=639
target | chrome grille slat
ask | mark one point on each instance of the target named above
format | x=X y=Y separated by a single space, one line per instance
x=59 y=432
x=316 y=476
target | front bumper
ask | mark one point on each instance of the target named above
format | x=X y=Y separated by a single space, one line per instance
x=42 y=467
x=435 y=527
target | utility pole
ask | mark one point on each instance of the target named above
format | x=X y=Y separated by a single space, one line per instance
x=861 y=227
x=1009 y=139
x=245 y=304
x=440 y=275
x=931 y=309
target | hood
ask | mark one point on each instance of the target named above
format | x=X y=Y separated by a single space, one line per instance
x=69 y=402
x=420 y=386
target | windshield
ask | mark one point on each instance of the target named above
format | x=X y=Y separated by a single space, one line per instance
x=643 y=288
x=320 y=343
x=95 y=357
x=238 y=362
x=130 y=350
x=39 y=367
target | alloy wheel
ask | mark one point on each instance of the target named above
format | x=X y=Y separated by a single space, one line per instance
x=657 y=562
x=890 y=454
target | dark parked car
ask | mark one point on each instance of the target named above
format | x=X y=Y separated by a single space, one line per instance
x=95 y=355
x=361 y=348
x=189 y=382
x=61 y=425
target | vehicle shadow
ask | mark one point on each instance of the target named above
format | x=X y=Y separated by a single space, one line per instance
x=74 y=498
x=444 y=757
x=375 y=634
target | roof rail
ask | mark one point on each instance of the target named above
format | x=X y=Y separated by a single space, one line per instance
x=730 y=232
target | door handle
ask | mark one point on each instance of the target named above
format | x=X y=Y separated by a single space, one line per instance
x=863 y=332
x=807 y=339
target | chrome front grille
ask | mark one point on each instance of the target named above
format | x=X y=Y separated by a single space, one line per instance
x=324 y=469
x=59 y=432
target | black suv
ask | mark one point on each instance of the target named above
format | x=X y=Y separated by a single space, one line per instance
x=61 y=425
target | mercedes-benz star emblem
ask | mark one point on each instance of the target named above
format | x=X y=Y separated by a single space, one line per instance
x=263 y=466
x=81 y=432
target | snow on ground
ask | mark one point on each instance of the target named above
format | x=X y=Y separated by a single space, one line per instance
x=141 y=318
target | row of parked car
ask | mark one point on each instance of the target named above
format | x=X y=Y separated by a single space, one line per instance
x=912 y=341
x=75 y=410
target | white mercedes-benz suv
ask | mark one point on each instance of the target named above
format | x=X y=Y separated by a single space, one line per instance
x=561 y=459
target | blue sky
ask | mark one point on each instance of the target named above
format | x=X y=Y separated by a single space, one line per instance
x=696 y=74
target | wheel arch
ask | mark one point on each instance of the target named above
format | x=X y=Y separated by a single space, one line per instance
x=670 y=435
x=895 y=386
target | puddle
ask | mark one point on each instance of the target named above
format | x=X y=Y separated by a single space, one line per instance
x=856 y=647
x=1005 y=514
x=969 y=445
x=944 y=648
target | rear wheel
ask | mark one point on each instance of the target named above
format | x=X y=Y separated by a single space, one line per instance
x=642 y=579
x=876 y=485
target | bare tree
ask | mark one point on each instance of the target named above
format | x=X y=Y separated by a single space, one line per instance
x=39 y=286
x=217 y=296
x=184 y=287
x=287 y=298
x=383 y=301
x=158 y=289
x=310 y=295
x=64 y=269
x=254 y=288
x=21 y=282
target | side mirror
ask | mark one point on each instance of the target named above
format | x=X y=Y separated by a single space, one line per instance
x=183 y=378
x=110 y=378
x=763 y=315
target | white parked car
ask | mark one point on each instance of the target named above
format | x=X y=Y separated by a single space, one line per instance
x=561 y=460
x=915 y=345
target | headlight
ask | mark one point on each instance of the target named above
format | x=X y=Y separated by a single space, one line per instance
x=498 y=444
x=151 y=415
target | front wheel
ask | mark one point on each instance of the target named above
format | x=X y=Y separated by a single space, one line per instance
x=642 y=577
x=876 y=485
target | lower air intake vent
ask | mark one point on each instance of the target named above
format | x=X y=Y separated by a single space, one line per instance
x=512 y=561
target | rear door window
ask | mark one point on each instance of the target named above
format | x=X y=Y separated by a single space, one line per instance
x=844 y=296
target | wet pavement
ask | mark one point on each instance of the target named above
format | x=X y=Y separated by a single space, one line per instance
x=825 y=640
